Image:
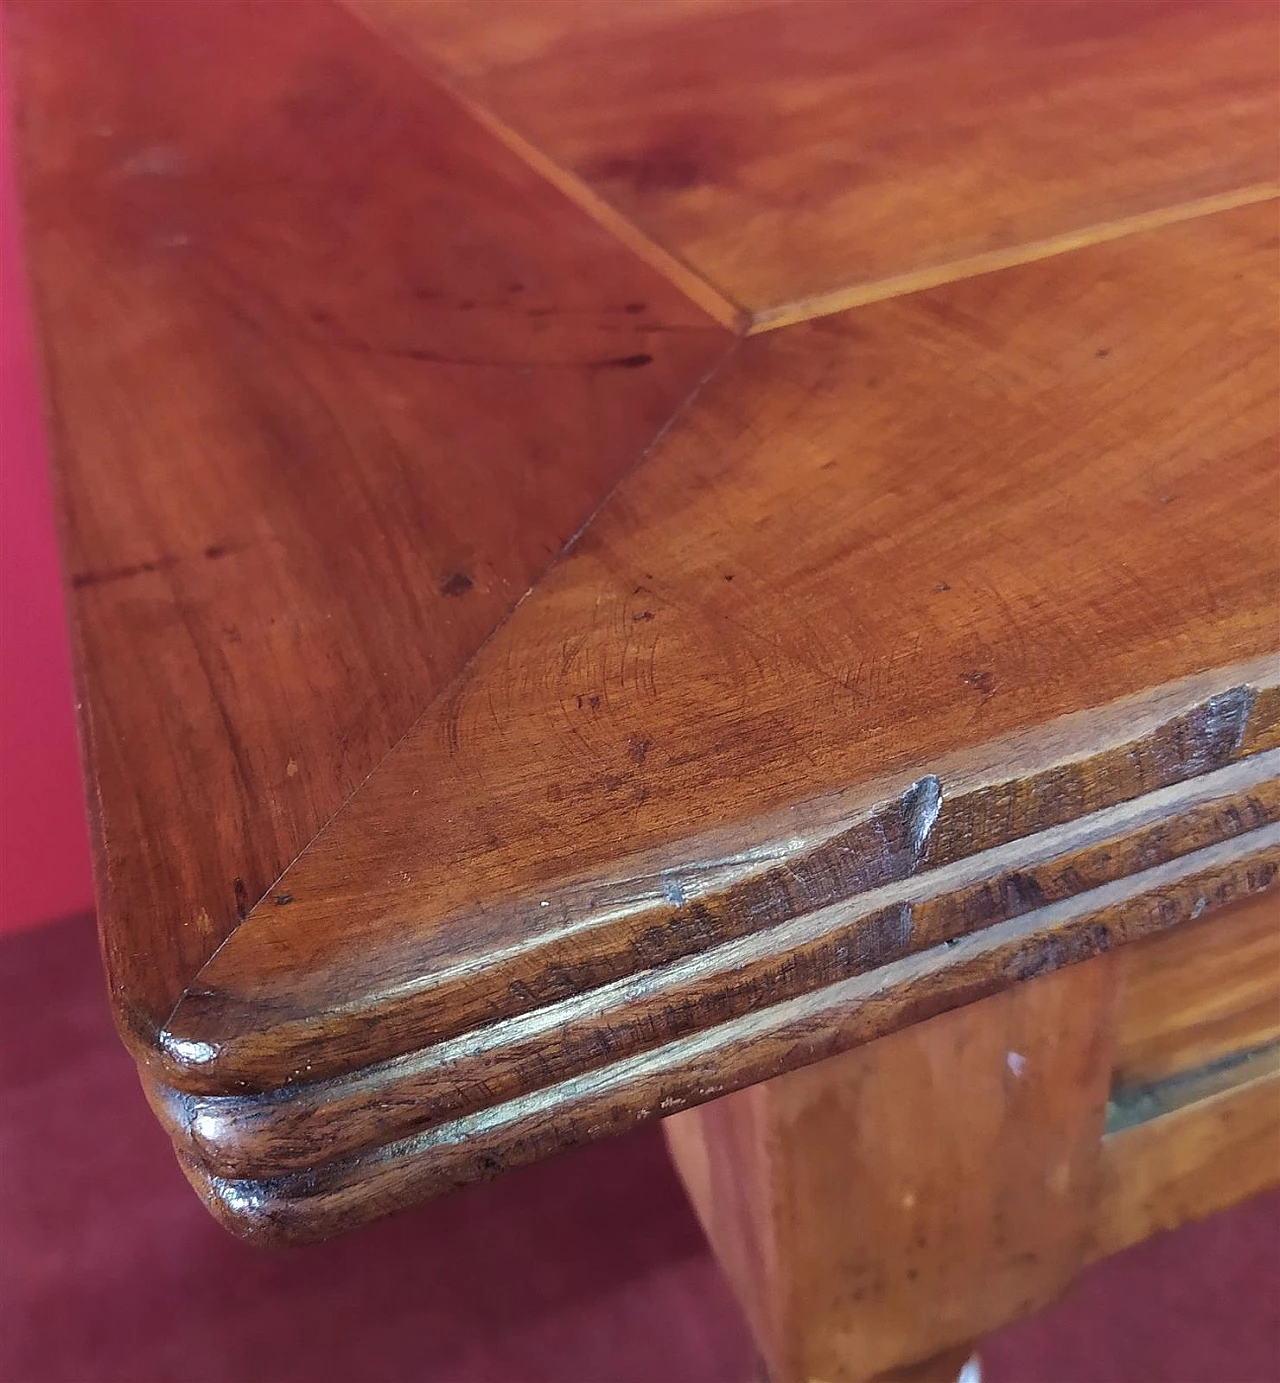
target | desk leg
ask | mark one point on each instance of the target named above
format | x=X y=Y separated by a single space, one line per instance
x=877 y=1211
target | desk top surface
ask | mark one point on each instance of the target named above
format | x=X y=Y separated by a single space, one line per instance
x=591 y=525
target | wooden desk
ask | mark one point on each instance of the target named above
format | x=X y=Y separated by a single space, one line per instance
x=622 y=554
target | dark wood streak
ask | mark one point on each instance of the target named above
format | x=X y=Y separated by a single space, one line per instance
x=324 y=1200
x=295 y=1128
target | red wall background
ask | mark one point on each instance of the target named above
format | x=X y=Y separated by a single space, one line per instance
x=44 y=854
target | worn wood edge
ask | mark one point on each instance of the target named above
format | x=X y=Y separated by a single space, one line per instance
x=1008 y=257
x=290 y=1129
x=688 y=280
x=653 y=909
x=1188 y=1163
x=326 y=1200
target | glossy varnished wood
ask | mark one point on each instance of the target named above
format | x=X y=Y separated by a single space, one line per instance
x=804 y=156
x=281 y=282
x=1083 y=868
x=333 y=1195
x=929 y=650
x=736 y=635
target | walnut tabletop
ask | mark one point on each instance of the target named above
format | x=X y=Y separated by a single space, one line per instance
x=616 y=551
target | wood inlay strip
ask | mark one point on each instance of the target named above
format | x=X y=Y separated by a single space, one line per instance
x=990 y=261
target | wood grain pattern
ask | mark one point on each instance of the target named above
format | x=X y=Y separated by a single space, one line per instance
x=883 y=1206
x=1188 y=1163
x=930 y=649
x=280 y=282
x=1085 y=801
x=797 y=154
x=1201 y=994
x=867 y=631
x=328 y=1198
x=724 y=1153
x=321 y=1120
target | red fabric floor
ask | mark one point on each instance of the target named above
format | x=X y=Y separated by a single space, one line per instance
x=586 y=1269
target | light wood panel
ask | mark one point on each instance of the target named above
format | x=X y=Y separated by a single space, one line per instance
x=801 y=156
x=876 y=539
x=878 y=1208
x=1199 y=995
x=281 y=283
x=1188 y=1163
x=907 y=1197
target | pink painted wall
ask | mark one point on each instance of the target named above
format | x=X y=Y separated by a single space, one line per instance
x=44 y=852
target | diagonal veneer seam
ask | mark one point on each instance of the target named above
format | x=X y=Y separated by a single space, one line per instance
x=143 y=1048
x=698 y=286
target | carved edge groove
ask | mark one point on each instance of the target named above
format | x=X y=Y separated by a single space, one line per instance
x=946 y=910
x=290 y=1130
x=650 y=911
x=326 y=1199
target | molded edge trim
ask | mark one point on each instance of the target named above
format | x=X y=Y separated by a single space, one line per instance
x=649 y=911
x=298 y=1127
x=323 y=1201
